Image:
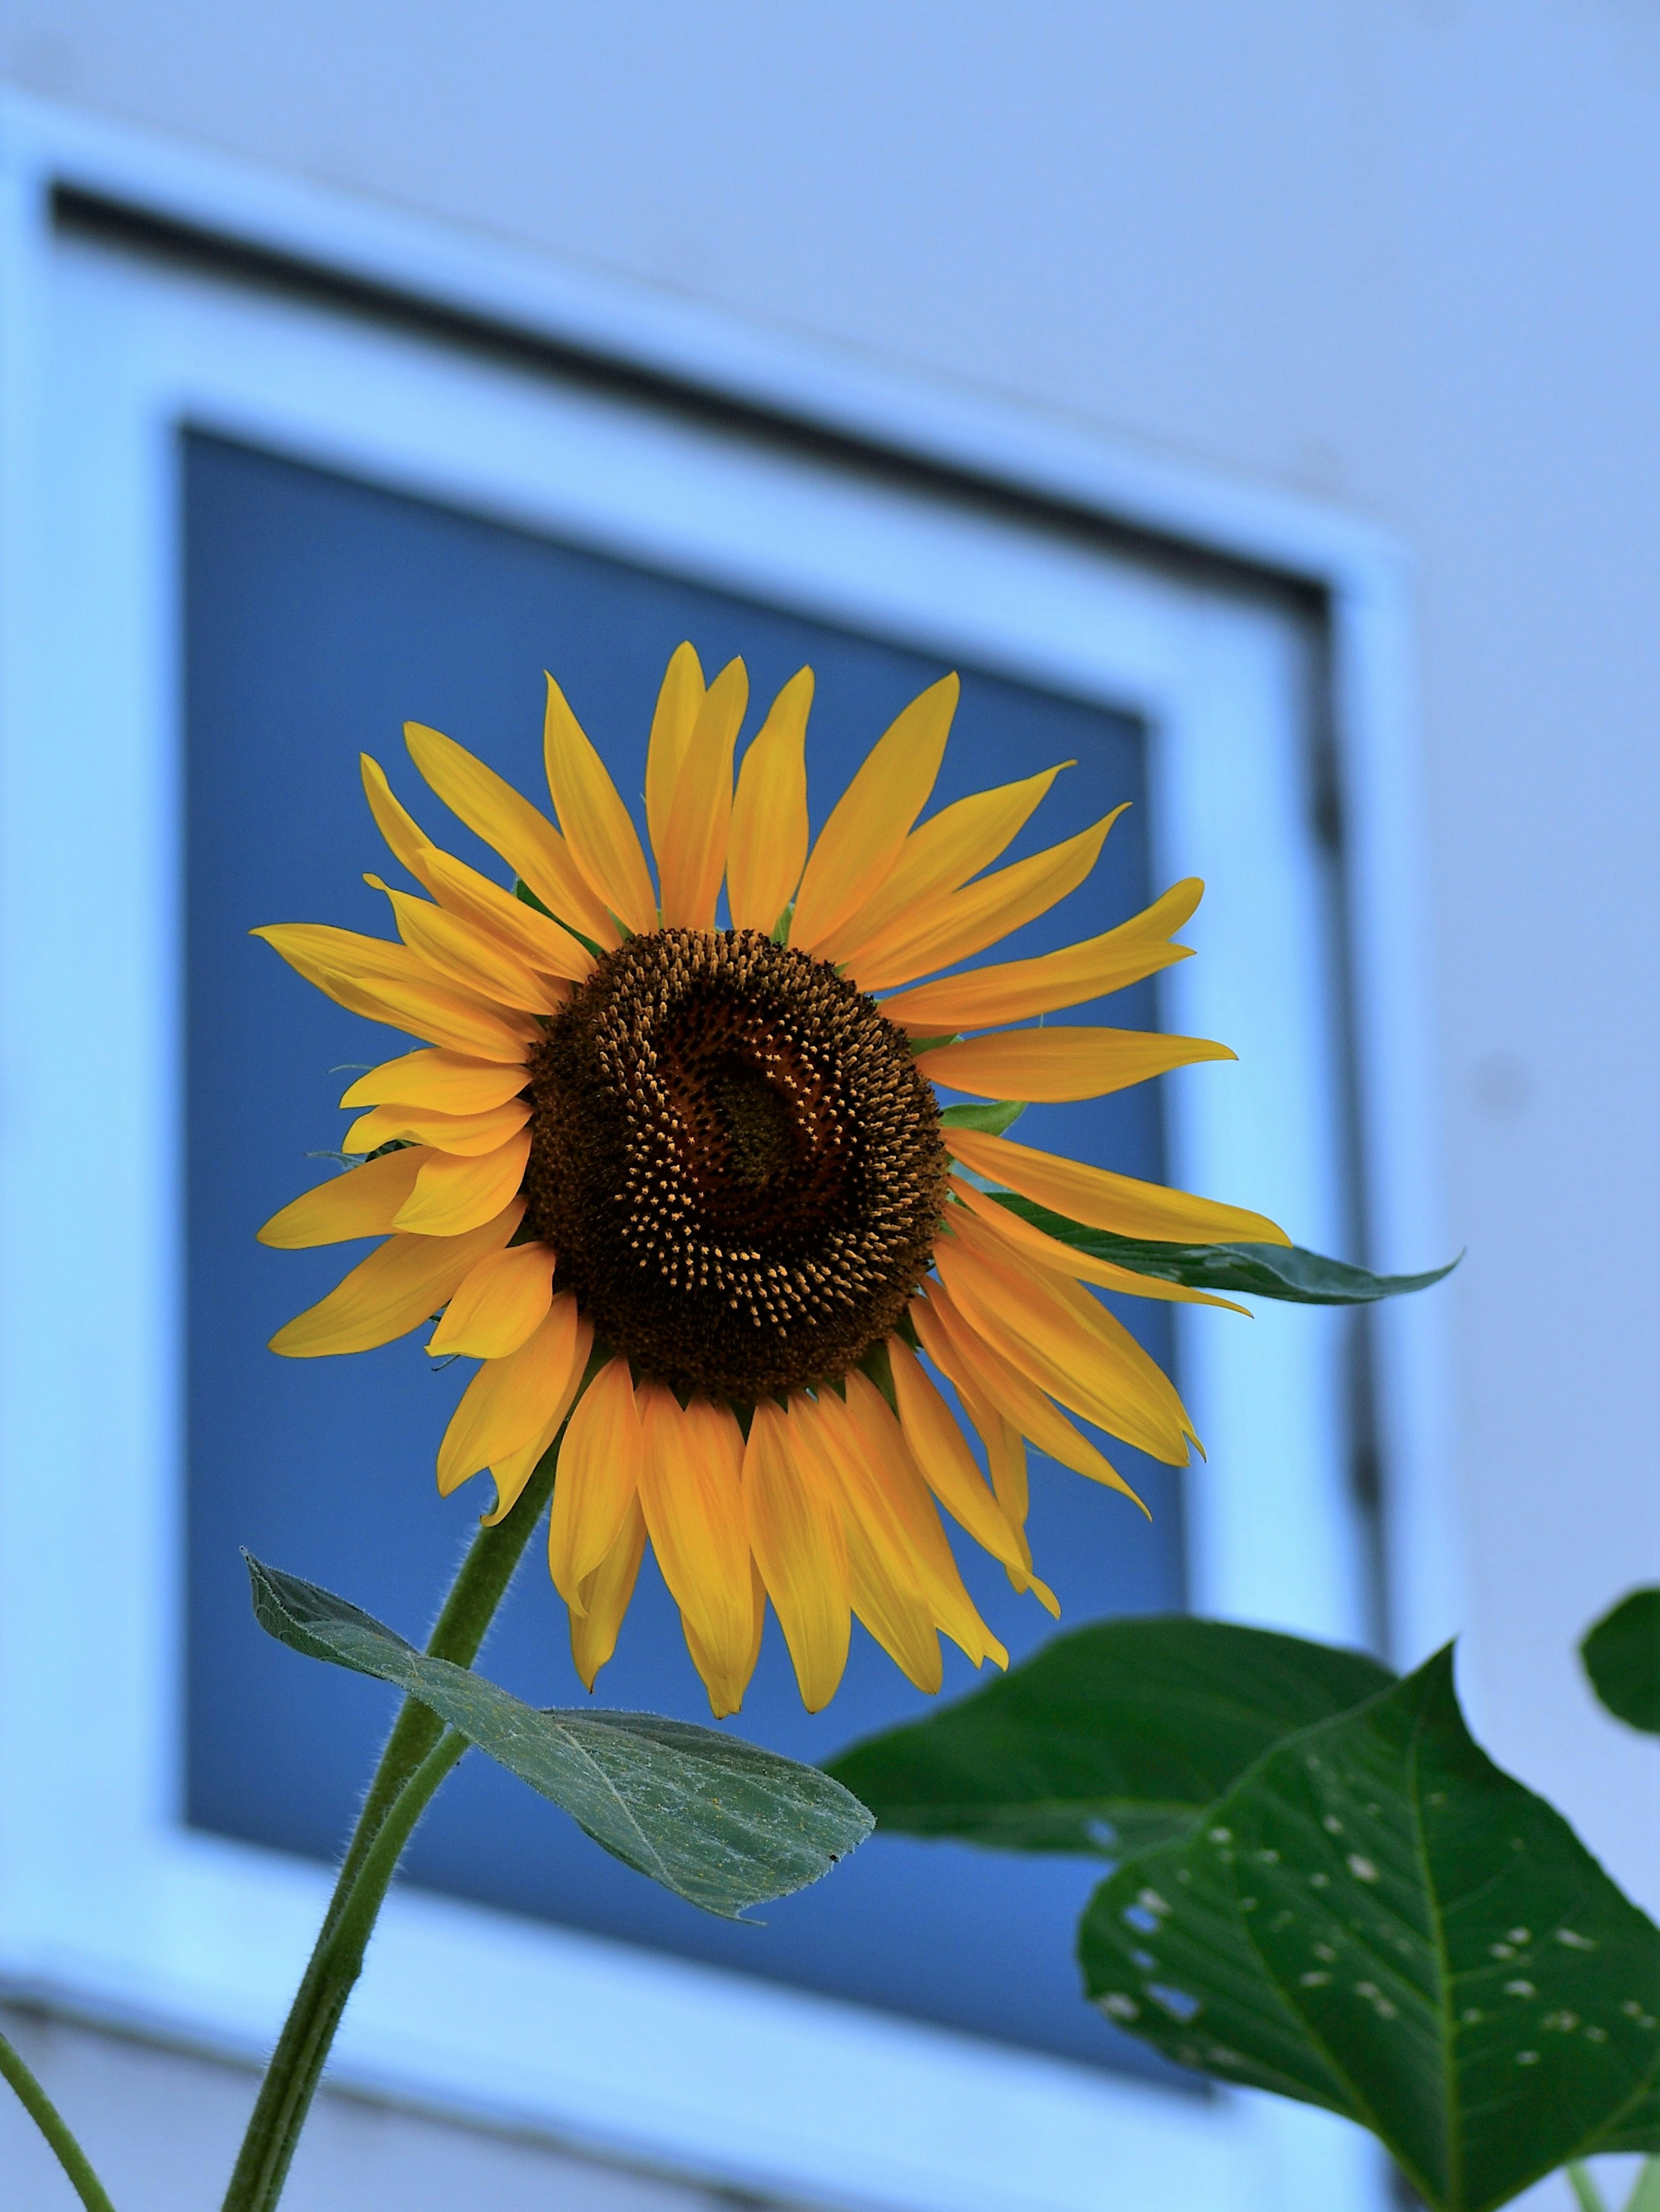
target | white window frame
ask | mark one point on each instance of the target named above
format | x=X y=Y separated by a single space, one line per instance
x=108 y=1903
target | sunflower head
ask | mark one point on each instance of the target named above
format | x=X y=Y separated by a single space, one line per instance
x=678 y=1178
x=737 y=1160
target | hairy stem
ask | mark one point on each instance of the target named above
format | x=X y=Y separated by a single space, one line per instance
x=51 y=2122
x=418 y=1756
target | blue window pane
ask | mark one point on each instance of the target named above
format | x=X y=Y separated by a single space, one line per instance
x=321 y=613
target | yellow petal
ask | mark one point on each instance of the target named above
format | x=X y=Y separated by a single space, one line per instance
x=347 y=953
x=539 y=942
x=1079 y=1354
x=502 y=1303
x=1064 y=1339
x=938 y=858
x=401 y=1283
x=692 y=857
x=1020 y=988
x=525 y=838
x=886 y=1592
x=692 y=1493
x=1005 y=1455
x=1044 y=1066
x=510 y=1401
x=362 y=1202
x=862 y=841
x=452 y=1194
x=727 y=1690
x=444 y=1082
x=602 y=838
x=598 y=1479
x=513 y=1470
x=679 y=699
x=942 y=1455
x=1045 y=1251
x=942 y=931
x=519 y=928
x=605 y=1594
x=1102 y=1200
x=768 y=849
x=961 y=1352
x=796 y=1535
x=470 y=956
x=879 y=1443
x=409 y=843
x=409 y=997
x=470 y=1134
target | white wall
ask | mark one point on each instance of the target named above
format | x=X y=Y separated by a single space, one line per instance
x=1401 y=253
x=162 y=2130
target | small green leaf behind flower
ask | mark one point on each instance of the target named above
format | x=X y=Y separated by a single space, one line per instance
x=1285 y=1272
x=719 y=1821
x=1621 y=1656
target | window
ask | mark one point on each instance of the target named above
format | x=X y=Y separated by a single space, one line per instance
x=267 y=530
x=315 y=610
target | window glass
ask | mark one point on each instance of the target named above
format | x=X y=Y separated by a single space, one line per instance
x=321 y=613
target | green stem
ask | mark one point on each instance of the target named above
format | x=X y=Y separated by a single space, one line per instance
x=1587 y=2195
x=417 y=1757
x=50 y=2121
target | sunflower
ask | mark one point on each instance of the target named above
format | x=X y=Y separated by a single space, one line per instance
x=687 y=1193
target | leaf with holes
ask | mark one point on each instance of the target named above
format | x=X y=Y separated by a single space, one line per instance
x=1285 y=1271
x=1108 y=1740
x=717 y=1820
x=1377 y=1919
x=1622 y=1657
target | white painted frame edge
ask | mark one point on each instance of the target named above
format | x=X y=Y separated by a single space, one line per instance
x=1362 y=572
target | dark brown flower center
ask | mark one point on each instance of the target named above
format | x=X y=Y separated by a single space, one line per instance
x=735 y=1159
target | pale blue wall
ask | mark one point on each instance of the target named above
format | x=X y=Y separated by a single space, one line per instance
x=1399 y=253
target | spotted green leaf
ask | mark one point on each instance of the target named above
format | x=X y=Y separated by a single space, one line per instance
x=1622 y=1657
x=717 y=1820
x=1377 y=1919
x=1285 y=1271
x=1116 y=1736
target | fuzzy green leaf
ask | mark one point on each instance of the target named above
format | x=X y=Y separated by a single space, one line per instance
x=717 y=1820
x=1109 y=1739
x=1376 y=1918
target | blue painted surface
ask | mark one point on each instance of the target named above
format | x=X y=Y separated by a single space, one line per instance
x=320 y=615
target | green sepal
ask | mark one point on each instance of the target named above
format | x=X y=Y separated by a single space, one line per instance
x=522 y=891
x=878 y=1364
x=721 y=1822
x=1621 y=1654
x=990 y=1119
x=1285 y=1272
